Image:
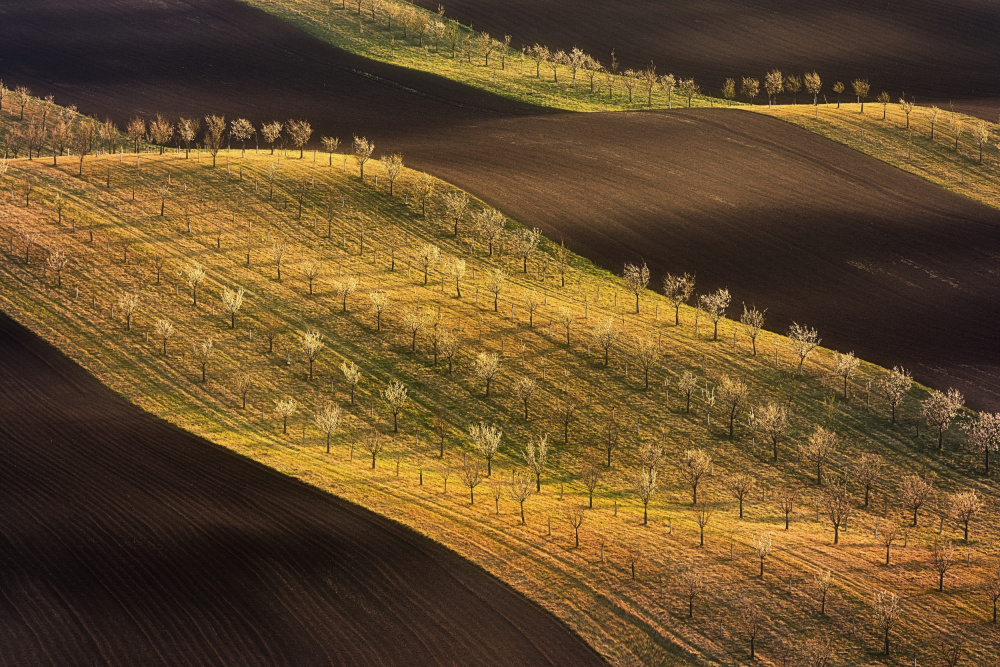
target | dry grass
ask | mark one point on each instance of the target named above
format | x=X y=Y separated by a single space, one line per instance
x=627 y=621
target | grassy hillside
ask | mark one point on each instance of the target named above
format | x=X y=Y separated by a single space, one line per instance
x=940 y=160
x=113 y=233
x=515 y=75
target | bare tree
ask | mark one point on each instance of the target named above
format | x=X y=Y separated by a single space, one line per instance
x=393 y=166
x=330 y=145
x=591 y=475
x=963 y=506
x=566 y=317
x=939 y=409
x=839 y=507
x=520 y=490
x=605 y=335
x=380 y=301
x=740 y=485
x=363 y=150
x=311 y=342
x=449 y=347
x=395 y=396
x=715 y=305
x=83 y=140
x=487 y=439
x=526 y=243
x=215 y=131
x=813 y=84
x=531 y=303
x=203 y=352
x=299 y=131
x=277 y=253
x=916 y=491
x=413 y=321
x=821 y=445
x=128 y=302
x=241 y=129
x=311 y=269
x=943 y=558
x=750 y=88
x=373 y=442
x=327 y=420
x=845 y=365
x=824 y=582
x=487 y=366
x=774 y=83
x=352 y=374
x=804 y=340
x=687 y=383
x=285 y=408
x=894 y=386
x=644 y=486
x=472 y=475
x=535 y=455
x=867 y=471
x=752 y=321
x=636 y=279
x=575 y=516
x=763 y=544
x=164 y=329
x=160 y=131
x=678 y=290
x=566 y=412
x=194 y=273
x=646 y=354
x=933 y=113
x=695 y=466
x=984 y=435
x=271 y=326
x=991 y=586
x=58 y=262
x=885 y=609
x=981 y=132
x=887 y=531
x=785 y=499
x=496 y=283
x=751 y=620
x=734 y=394
x=187 y=130
x=244 y=381
x=702 y=516
x=427 y=257
x=611 y=434
x=692 y=583
x=425 y=188
x=455 y=204
x=883 y=99
x=772 y=421
x=861 y=90
x=344 y=289
x=271 y=175
x=136 y=130
x=233 y=301
x=689 y=89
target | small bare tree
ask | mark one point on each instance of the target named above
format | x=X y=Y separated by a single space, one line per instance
x=605 y=335
x=194 y=273
x=644 y=486
x=380 y=301
x=839 y=506
x=861 y=90
x=241 y=129
x=687 y=383
x=566 y=317
x=456 y=204
x=763 y=544
x=449 y=346
x=940 y=409
x=128 y=302
x=646 y=354
x=496 y=283
x=591 y=476
x=692 y=583
x=772 y=421
x=311 y=342
x=330 y=145
x=395 y=396
x=751 y=621
x=867 y=471
x=752 y=321
x=845 y=365
x=285 y=408
x=611 y=435
x=740 y=486
x=702 y=516
x=774 y=83
x=487 y=439
x=428 y=257
x=363 y=150
x=575 y=516
x=327 y=420
x=695 y=466
x=963 y=507
x=678 y=290
x=715 y=305
x=413 y=321
x=472 y=475
x=991 y=587
x=215 y=132
x=352 y=374
x=233 y=301
x=164 y=329
x=984 y=435
x=244 y=381
x=489 y=222
x=58 y=261
x=277 y=253
x=821 y=445
x=531 y=303
x=425 y=188
x=311 y=270
x=887 y=531
x=535 y=454
x=916 y=491
x=455 y=269
x=344 y=289
x=824 y=582
x=785 y=499
x=487 y=366
x=520 y=490
x=733 y=394
x=566 y=412
x=636 y=279
x=203 y=352
x=943 y=558
x=885 y=608
x=804 y=340
x=894 y=386
x=526 y=243
x=373 y=443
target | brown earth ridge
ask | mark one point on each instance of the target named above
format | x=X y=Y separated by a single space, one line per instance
x=880 y=261
x=127 y=541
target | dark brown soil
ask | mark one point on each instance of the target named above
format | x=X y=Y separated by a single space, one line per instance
x=126 y=541
x=881 y=262
x=926 y=48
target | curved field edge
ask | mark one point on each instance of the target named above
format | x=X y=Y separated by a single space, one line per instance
x=624 y=620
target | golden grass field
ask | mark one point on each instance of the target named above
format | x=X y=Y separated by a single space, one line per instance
x=628 y=621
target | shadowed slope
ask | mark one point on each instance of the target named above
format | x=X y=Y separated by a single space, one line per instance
x=126 y=541
x=880 y=261
x=944 y=51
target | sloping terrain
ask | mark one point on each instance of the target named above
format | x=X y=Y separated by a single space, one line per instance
x=882 y=262
x=127 y=541
x=928 y=49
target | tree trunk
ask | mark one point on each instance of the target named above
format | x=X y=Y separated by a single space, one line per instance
x=395 y=422
x=327 y=439
x=373 y=460
x=836 y=534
